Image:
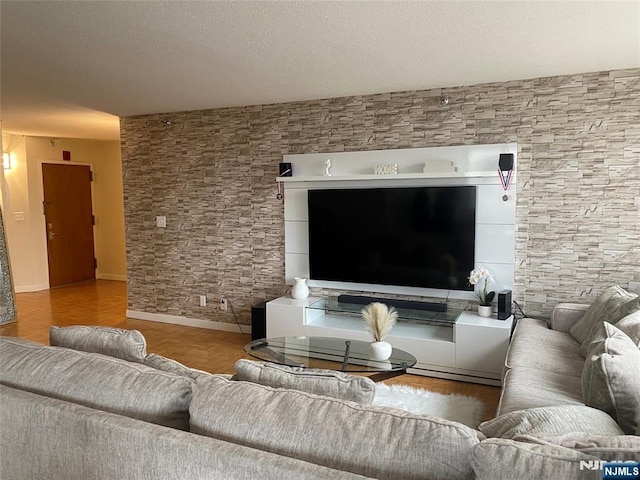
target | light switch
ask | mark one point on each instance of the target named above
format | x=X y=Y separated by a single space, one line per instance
x=18 y=216
x=161 y=221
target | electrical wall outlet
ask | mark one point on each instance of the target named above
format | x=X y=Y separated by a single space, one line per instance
x=223 y=304
x=203 y=300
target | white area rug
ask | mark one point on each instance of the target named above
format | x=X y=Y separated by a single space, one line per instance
x=458 y=408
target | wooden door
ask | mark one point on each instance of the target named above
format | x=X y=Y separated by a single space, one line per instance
x=69 y=223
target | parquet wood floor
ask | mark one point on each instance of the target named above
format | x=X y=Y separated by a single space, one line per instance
x=104 y=303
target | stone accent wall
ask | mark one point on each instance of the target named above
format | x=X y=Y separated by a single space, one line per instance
x=212 y=172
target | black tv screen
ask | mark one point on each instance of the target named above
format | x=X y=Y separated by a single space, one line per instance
x=417 y=237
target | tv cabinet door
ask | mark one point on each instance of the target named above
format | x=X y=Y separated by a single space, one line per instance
x=285 y=317
x=482 y=343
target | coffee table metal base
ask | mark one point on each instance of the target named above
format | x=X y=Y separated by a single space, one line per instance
x=330 y=353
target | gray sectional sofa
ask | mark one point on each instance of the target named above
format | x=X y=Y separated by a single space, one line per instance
x=95 y=405
x=72 y=414
x=550 y=423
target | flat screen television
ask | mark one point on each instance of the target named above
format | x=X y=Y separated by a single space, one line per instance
x=415 y=237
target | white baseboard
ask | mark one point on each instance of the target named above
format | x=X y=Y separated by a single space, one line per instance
x=31 y=288
x=455 y=376
x=111 y=276
x=190 y=322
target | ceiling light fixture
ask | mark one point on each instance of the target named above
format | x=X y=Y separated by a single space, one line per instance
x=6 y=161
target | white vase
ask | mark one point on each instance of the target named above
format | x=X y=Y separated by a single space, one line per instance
x=300 y=290
x=485 y=310
x=380 y=351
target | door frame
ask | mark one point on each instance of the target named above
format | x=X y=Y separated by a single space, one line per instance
x=42 y=222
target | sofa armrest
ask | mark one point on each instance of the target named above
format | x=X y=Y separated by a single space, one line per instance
x=565 y=315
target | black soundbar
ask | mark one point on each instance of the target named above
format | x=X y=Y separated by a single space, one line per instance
x=410 y=304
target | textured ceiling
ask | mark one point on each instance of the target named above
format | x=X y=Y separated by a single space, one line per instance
x=68 y=68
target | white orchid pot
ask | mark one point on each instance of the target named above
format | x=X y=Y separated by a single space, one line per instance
x=300 y=290
x=380 y=351
x=485 y=310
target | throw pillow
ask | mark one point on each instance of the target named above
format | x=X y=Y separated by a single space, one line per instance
x=551 y=420
x=128 y=345
x=610 y=379
x=611 y=306
x=320 y=382
x=629 y=325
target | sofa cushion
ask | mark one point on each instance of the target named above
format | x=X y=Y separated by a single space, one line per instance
x=611 y=306
x=606 y=447
x=531 y=387
x=534 y=345
x=23 y=341
x=128 y=345
x=367 y=440
x=526 y=457
x=506 y=459
x=67 y=441
x=97 y=381
x=320 y=382
x=551 y=420
x=611 y=378
x=566 y=315
x=164 y=364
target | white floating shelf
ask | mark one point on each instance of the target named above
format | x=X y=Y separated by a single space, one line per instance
x=399 y=176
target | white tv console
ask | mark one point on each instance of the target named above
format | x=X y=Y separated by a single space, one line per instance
x=458 y=345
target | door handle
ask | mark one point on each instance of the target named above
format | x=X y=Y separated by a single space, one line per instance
x=50 y=232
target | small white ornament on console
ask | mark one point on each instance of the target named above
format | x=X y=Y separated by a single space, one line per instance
x=438 y=166
x=327 y=168
x=386 y=169
x=300 y=290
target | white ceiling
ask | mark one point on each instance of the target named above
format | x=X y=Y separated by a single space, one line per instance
x=69 y=68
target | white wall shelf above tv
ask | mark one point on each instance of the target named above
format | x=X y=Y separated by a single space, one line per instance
x=477 y=165
x=399 y=176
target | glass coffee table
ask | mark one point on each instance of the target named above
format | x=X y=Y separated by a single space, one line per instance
x=329 y=353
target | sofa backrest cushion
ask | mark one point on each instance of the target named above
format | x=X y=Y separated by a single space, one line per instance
x=128 y=345
x=529 y=458
x=555 y=420
x=611 y=306
x=611 y=378
x=165 y=364
x=46 y=438
x=606 y=447
x=320 y=382
x=373 y=441
x=97 y=381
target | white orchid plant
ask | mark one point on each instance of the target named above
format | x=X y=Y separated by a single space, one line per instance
x=475 y=277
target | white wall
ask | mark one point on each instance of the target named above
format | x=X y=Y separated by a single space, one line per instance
x=24 y=252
